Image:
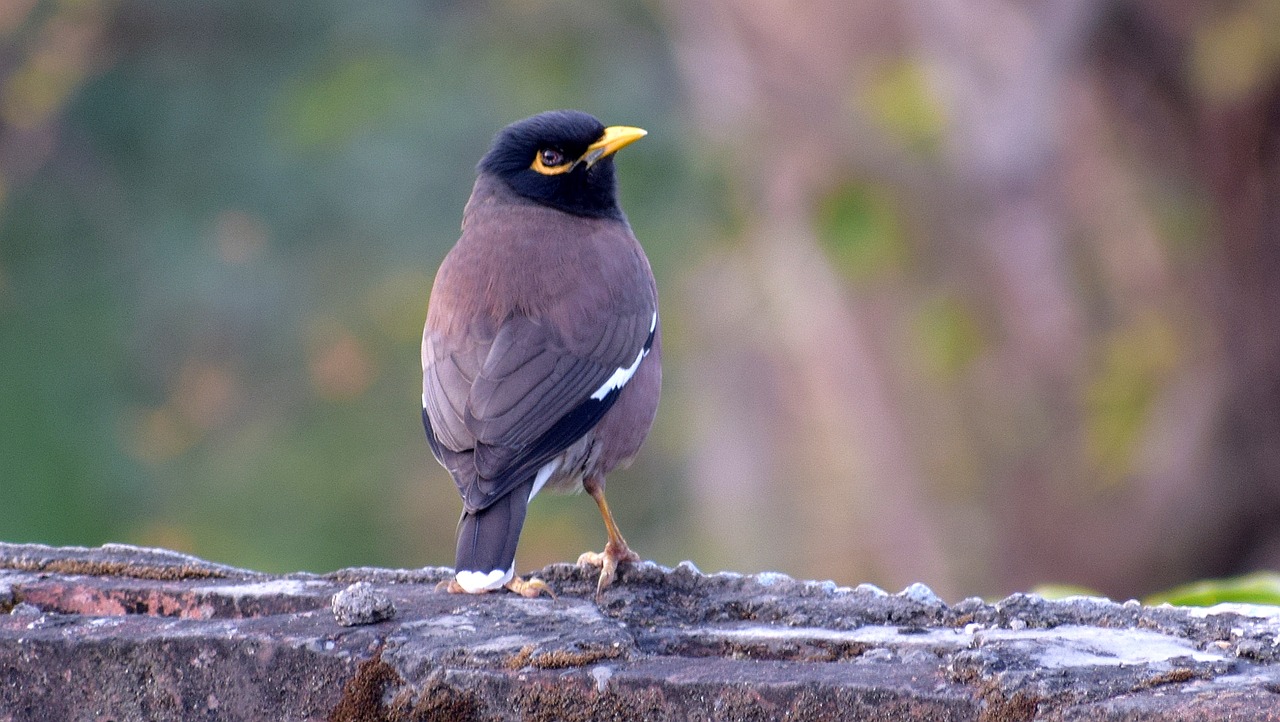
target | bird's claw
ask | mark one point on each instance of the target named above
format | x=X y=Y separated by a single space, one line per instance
x=531 y=588
x=451 y=586
x=608 y=562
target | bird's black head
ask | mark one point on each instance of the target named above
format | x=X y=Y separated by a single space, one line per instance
x=562 y=159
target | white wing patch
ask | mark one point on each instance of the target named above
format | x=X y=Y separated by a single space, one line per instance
x=623 y=375
x=619 y=378
x=544 y=474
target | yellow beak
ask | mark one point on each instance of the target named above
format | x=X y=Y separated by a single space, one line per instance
x=614 y=139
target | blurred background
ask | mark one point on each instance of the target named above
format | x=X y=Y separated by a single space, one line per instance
x=981 y=294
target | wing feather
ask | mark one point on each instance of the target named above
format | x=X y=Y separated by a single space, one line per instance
x=530 y=398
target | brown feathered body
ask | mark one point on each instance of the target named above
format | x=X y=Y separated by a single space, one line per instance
x=537 y=319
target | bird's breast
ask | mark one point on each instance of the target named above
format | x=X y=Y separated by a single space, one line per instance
x=539 y=263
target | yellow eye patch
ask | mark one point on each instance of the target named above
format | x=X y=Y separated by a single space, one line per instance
x=550 y=161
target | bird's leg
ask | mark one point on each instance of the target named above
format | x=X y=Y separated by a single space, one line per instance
x=616 y=549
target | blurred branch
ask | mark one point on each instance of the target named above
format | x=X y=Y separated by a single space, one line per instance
x=1093 y=405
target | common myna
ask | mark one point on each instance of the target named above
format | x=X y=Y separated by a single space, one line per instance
x=541 y=352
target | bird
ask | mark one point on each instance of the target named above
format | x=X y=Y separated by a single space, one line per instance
x=541 y=352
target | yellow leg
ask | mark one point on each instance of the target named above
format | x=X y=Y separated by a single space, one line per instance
x=615 y=550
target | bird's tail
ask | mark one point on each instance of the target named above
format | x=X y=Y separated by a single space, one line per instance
x=487 y=541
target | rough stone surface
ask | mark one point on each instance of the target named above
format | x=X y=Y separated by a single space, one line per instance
x=362 y=603
x=120 y=633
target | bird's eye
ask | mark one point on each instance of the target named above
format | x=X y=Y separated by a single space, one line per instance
x=551 y=157
x=551 y=161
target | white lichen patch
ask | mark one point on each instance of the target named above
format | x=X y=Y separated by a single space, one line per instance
x=579 y=611
x=504 y=643
x=1080 y=646
x=874 y=635
x=449 y=622
x=602 y=674
x=890 y=636
x=273 y=588
x=769 y=579
x=1255 y=611
x=1061 y=647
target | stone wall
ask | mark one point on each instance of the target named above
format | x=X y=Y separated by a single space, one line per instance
x=121 y=633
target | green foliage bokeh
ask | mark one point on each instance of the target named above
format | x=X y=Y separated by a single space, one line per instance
x=212 y=291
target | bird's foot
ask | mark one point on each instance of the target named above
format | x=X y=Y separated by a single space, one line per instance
x=451 y=586
x=530 y=588
x=527 y=589
x=608 y=562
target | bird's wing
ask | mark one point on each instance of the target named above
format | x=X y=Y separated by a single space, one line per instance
x=537 y=393
x=448 y=370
